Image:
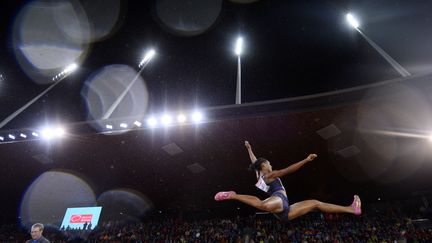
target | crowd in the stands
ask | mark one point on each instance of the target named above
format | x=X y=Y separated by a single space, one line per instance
x=379 y=223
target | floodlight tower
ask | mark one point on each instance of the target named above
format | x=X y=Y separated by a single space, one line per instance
x=143 y=63
x=356 y=25
x=238 y=52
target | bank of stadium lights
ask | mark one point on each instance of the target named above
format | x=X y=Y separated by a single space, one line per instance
x=68 y=70
x=154 y=121
x=28 y=135
x=17 y=136
x=163 y=120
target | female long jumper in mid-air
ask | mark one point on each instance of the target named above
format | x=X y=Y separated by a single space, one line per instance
x=277 y=203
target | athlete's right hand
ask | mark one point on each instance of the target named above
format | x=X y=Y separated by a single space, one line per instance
x=311 y=157
x=247 y=145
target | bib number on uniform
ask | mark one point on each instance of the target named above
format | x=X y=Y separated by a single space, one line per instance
x=262 y=185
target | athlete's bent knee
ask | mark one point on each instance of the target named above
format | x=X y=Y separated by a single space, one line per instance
x=316 y=203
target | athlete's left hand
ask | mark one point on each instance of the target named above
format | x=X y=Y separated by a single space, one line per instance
x=311 y=157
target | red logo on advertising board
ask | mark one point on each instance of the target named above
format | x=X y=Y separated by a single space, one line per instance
x=80 y=218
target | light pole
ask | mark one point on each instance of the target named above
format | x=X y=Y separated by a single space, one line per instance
x=149 y=55
x=238 y=51
x=355 y=24
x=57 y=79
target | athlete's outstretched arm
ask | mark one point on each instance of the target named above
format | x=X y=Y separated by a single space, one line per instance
x=292 y=168
x=251 y=155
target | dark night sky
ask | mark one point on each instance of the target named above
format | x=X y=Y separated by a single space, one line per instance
x=292 y=48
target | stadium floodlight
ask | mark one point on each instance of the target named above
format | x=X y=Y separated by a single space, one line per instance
x=123 y=125
x=238 y=52
x=108 y=126
x=68 y=70
x=35 y=134
x=152 y=122
x=147 y=57
x=137 y=123
x=166 y=119
x=11 y=136
x=181 y=118
x=59 y=132
x=197 y=116
x=352 y=21
x=23 y=135
x=239 y=46
x=49 y=133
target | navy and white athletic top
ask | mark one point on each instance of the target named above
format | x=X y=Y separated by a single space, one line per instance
x=274 y=186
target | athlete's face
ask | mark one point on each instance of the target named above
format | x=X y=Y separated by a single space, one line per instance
x=266 y=166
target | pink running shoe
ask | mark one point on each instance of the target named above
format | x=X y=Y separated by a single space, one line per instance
x=224 y=195
x=356 y=205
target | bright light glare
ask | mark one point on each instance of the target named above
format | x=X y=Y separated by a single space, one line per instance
x=152 y=122
x=123 y=125
x=148 y=56
x=11 y=136
x=197 y=116
x=59 y=132
x=239 y=46
x=109 y=126
x=48 y=133
x=352 y=20
x=166 y=119
x=181 y=118
x=1 y=138
x=35 y=134
x=70 y=68
x=23 y=135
